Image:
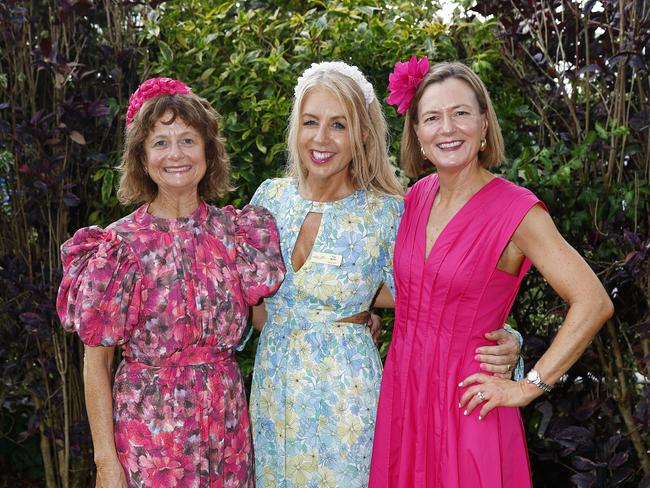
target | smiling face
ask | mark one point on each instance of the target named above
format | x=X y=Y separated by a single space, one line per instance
x=324 y=143
x=175 y=156
x=451 y=125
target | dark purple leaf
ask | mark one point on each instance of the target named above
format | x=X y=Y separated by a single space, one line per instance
x=590 y=68
x=546 y=408
x=619 y=476
x=637 y=62
x=611 y=444
x=70 y=199
x=618 y=459
x=34 y=323
x=638 y=121
x=632 y=238
x=40 y=185
x=583 y=464
x=99 y=108
x=642 y=329
x=586 y=410
x=574 y=436
x=584 y=480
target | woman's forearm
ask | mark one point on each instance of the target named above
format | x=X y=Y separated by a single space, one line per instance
x=98 y=375
x=582 y=322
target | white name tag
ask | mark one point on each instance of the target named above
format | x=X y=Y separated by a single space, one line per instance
x=327 y=258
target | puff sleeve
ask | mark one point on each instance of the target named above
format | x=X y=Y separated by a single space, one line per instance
x=257 y=258
x=99 y=296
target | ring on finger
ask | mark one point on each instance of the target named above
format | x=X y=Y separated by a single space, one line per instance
x=481 y=396
x=508 y=368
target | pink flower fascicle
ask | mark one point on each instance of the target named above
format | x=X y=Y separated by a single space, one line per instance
x=153 y=87
x=404 y=81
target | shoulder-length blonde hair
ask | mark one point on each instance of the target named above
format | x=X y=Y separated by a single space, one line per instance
x=411 y=158
x=135 y=185
x=370 y=168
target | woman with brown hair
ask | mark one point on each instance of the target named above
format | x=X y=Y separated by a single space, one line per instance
x=171 y=284
x=465 y=242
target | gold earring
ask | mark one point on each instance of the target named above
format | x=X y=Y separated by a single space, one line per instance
x=483 y=145
x=424 y=155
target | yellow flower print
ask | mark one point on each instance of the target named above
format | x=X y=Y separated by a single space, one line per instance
x=349 y=429
x=266 y=401
x=292 y=424
x=327 y=478
x=350 y=223
x=297 y=470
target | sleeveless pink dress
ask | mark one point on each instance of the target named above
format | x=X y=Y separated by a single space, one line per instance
x=444 y=304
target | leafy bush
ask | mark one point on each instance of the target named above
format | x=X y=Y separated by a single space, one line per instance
x=575 y=122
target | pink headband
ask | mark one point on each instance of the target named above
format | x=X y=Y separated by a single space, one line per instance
x=153 y=87
x=404 y=81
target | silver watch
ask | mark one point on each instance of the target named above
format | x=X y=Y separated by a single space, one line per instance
x=534 y=378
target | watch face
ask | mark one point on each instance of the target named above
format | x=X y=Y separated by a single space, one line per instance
x=532 y=376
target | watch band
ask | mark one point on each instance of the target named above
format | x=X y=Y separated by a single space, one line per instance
x=534 y=378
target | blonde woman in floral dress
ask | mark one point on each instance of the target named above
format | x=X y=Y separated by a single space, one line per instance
x=317 y=371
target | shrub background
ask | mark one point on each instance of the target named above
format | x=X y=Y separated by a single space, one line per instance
x=570 y=85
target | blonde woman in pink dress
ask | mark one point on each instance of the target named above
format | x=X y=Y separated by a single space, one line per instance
x=464 y=244
x=171 y=284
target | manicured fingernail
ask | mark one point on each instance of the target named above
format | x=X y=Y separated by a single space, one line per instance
x=460 y=384
x=480 y=418
x=459 y=405
x=476 y=357
x=465 y=412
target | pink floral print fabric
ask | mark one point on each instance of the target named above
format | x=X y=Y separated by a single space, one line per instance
x=175 y=295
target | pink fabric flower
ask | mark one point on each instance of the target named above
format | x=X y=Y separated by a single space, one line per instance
x=153 y=87
x=404 y=80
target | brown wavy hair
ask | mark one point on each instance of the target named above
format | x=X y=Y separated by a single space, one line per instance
x=411 y=158
x=135 y=185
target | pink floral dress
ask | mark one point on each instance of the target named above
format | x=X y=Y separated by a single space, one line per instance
x=175 y=295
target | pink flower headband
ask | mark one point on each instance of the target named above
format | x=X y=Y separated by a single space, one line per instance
x=404 y=81
x=153 y=87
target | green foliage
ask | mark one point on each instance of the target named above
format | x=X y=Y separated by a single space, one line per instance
x=62 y=135
x=246 y=60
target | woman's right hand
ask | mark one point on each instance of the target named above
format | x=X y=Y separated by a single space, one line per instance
x=110 y=474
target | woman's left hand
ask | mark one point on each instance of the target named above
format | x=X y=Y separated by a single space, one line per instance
x=490 y=392
x=374 y=323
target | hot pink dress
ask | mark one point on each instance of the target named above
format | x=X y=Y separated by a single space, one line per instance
x=444 y=305
x=175 y=294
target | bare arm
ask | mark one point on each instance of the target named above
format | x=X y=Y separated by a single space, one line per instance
x=384 y=298
x=98 y=375
x=259 y=316
x=589 y=308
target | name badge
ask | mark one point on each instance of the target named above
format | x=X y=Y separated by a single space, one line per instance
x=327 y=258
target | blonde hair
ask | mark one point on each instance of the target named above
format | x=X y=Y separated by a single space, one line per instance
x=411 y=157
x=370 y=168
x=135 y=185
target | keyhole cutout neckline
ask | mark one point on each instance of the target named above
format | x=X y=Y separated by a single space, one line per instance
x=305 y=240
x=320 y=208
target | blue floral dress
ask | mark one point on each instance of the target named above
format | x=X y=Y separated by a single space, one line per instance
x=316 y=381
